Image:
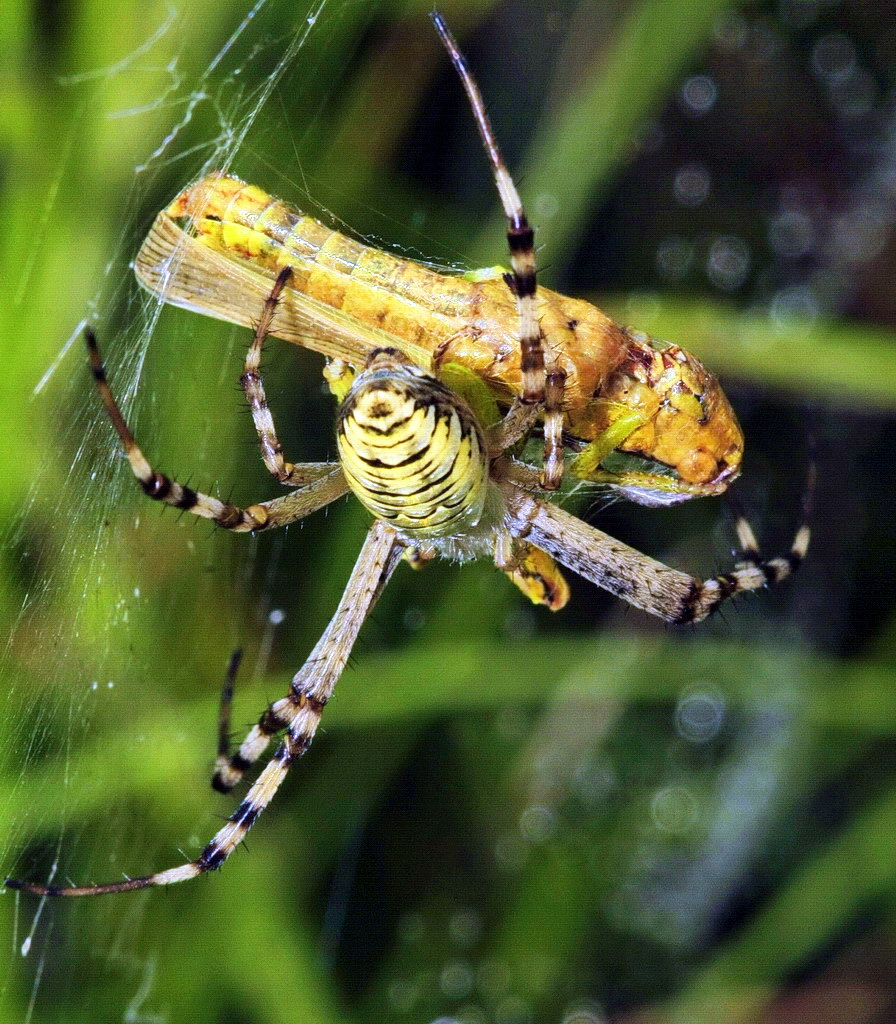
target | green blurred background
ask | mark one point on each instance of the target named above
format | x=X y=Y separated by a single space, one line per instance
x=509 y=816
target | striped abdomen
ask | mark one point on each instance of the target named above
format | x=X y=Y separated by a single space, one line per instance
x=411 y=450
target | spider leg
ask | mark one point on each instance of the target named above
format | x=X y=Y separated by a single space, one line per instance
x=298 y=713
x=538 y=386
x=271 y=450
x=518 y=421
x=633 y=576
x=225 y=708
x=555 y=383
x=302 y=502
x=263 y=516
x=231 y=767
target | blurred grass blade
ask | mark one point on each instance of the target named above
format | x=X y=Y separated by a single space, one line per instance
x=578 y=148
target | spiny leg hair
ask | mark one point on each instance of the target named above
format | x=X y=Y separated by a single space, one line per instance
x=298 y=714
x=541 y=385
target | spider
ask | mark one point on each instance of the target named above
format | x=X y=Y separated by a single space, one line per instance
x=438 y=481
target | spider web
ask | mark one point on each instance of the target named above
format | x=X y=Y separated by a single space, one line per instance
x=122 y=616
x=236 y=88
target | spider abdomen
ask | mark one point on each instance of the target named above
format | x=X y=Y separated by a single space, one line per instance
x=411 y=449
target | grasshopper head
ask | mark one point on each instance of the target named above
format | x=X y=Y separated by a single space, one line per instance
x=686 y=440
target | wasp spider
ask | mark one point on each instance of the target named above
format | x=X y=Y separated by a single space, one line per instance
x=437 y=482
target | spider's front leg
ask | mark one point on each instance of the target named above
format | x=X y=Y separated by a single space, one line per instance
x=643 y=581
x=298 y=713
x=543 y=381
x=271 y=450
x=326 y=485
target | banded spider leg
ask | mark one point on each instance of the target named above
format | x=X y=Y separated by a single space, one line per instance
x=607 y=562
x=453 y=489
x=542 y=379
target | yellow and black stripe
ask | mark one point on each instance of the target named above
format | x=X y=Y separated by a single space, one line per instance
x=411 y=449
x=520 y=237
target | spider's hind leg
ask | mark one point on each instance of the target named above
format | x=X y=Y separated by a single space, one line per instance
x=220 y=780
x=311 y=688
